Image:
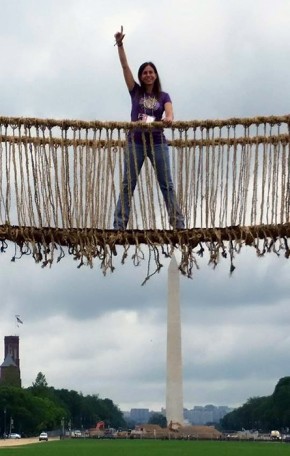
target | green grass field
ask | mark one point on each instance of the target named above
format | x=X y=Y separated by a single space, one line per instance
x=148 y=448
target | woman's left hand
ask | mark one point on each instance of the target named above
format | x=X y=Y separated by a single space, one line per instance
x=167 y=121
x=119 y=36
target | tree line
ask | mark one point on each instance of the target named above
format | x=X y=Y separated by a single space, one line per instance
x=263 y=413
x=40 y=407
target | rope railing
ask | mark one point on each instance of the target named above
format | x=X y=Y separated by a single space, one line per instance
x=92 y=124
x=62 y=180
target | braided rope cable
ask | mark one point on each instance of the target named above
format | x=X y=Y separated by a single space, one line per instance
x=65 y=124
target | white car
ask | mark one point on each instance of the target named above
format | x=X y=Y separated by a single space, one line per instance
x=14 y=436
x=77 y=434
x=43 y=436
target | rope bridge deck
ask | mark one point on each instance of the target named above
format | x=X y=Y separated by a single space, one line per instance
x=60 y=182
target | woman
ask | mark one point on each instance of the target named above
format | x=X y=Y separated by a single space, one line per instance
x=149 y=104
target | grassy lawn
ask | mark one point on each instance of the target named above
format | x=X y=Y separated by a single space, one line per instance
x=147 y=448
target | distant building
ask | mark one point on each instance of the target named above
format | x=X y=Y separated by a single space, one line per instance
x=200 y=415
x=10 y=368
x=140 y=415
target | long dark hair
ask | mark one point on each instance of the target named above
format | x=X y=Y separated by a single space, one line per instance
x=157 y=83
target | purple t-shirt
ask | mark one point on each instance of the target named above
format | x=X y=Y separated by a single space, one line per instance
x=148 y=105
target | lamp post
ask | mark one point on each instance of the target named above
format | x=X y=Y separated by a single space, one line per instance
x=62 y=427
x=5 y=423
x=11 y=424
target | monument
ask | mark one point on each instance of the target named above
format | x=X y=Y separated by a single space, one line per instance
x=174 y=389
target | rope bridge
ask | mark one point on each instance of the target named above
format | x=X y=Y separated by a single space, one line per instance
x=60 y=181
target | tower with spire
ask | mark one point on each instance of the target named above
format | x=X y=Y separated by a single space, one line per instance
x=10 y=368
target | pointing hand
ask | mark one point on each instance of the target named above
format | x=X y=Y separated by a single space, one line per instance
x=119 y=36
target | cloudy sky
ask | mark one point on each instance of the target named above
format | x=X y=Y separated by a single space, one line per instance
x=107 y=335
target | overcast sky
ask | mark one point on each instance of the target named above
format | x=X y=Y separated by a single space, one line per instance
x=107 y=335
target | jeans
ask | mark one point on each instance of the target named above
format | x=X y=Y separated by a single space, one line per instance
x=133 y=160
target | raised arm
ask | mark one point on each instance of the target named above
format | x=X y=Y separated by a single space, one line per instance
x=128 y=76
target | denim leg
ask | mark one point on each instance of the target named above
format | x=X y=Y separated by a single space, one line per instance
x=160 y=160
x=133 y=161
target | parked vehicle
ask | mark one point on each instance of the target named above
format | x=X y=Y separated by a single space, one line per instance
x=275 y=435
x=14 y=435
x=43 y=436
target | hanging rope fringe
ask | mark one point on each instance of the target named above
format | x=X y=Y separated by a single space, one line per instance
x=60 y=182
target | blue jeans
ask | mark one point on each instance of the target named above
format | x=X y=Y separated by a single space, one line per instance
x=133 y=160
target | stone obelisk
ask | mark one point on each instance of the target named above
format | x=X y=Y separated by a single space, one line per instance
x=174 y=390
